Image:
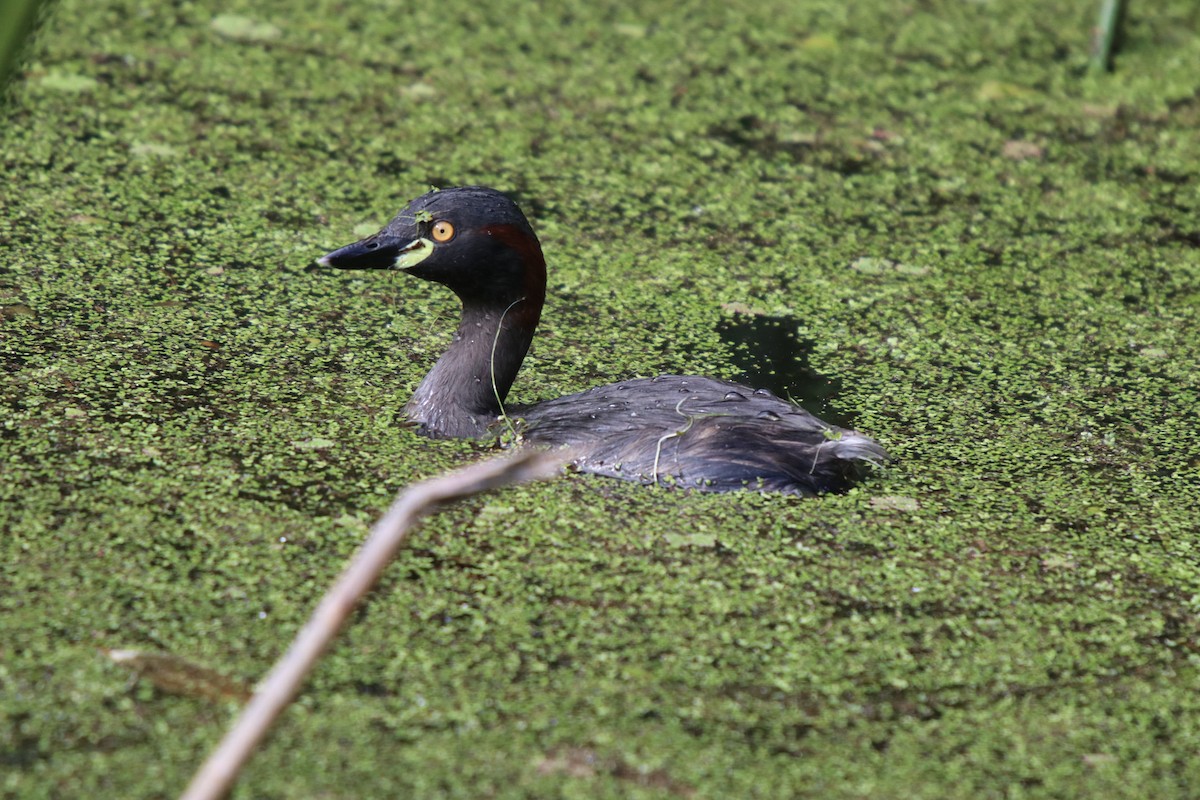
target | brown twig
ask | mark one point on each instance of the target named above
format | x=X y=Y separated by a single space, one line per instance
x=217 y=775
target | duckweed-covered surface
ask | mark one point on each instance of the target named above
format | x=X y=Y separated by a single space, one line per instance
x=996 y=253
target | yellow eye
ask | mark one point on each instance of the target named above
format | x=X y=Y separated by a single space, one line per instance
x=442 y=231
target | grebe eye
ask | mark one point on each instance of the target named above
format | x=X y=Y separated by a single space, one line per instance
x=443 y=231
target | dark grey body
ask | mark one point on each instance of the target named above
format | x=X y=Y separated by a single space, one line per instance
x=699 y=433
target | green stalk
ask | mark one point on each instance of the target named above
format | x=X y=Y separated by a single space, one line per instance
x=1107 y=34
x=17 y=21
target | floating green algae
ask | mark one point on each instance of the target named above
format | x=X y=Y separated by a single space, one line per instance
x=993 y=252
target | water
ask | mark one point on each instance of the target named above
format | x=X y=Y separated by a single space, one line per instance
x=770 y=355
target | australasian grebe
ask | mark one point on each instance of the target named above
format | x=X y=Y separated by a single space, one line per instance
x=687 y=431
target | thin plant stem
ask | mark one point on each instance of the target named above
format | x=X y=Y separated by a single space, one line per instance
x=492 y=368
x=1107 y=34
x=276 y=691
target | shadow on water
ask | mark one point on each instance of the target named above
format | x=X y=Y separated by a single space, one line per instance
x=770 y=355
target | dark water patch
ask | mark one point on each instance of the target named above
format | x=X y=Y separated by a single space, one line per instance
x=328 y=494
x=770 y=354
x=752 y=136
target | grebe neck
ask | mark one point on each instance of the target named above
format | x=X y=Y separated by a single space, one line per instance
x=462 y=395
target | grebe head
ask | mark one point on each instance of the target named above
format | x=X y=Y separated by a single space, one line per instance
x=479 y=244
x=473 y=239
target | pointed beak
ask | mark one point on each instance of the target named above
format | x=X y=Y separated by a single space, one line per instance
x=381 y=251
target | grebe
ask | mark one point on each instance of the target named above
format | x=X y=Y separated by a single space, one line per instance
x=691 y=432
